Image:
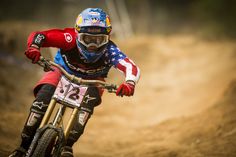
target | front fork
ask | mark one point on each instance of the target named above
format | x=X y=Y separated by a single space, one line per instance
x=57 y=118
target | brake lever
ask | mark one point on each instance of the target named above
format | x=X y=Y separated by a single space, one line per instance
x=45 y=64
x=111 y=88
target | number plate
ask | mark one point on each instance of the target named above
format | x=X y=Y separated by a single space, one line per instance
x=69 y=93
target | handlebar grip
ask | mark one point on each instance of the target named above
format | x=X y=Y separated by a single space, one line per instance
x=45 y=64
x=41 y=58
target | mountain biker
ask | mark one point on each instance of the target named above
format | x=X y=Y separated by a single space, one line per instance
x=85 y=51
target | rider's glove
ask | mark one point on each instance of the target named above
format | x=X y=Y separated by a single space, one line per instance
x=126 y=89
x=33 y=53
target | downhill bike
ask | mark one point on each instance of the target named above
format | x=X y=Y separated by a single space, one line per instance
x=52 y=133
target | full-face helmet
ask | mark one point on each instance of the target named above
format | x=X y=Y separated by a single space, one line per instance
x=92 y=28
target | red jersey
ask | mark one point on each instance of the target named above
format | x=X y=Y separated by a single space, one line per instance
x=70 y=58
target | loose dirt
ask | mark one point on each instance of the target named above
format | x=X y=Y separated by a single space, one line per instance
x=184 y=104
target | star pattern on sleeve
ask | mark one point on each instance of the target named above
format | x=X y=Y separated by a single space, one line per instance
x=114 y=55
x=120 y=61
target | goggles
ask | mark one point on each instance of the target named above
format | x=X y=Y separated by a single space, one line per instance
x=96 y=40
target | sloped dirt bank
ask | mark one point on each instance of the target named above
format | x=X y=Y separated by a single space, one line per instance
x=211 y=133
x=183 y=105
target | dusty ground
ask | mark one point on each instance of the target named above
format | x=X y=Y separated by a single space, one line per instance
x=177 y=109
x=184 y=105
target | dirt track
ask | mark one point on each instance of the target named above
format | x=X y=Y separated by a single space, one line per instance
x=178 y=108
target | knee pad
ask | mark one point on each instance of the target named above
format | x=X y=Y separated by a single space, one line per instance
x=42 y=99
x=92 y=98
x=78 y=129
x=37 y=111
x=32 y=123
x=30 y=128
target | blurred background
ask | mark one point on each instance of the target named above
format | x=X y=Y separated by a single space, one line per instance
x=184 y=104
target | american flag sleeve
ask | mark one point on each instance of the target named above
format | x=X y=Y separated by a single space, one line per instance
x=121 y=62
x=127 y=67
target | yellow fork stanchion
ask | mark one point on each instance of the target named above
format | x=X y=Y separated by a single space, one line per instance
x=71 y=122
x=48 y=113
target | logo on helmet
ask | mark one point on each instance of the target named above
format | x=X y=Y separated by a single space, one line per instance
x=108 y=21
x=79 y=20
x=94 y=13
x=95 y=20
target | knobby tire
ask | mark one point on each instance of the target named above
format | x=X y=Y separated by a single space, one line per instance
x=45 y=144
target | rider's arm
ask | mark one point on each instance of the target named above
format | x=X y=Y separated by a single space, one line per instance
x=121 y=62
x=64 y=39
x=131 y=71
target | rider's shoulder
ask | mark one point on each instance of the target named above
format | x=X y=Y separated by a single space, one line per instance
x=112 y=47
x=111 y=44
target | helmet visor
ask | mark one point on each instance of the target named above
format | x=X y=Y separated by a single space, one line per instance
x=96 y=40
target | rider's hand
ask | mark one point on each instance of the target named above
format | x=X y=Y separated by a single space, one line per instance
x=33 y=53
x=126 y=89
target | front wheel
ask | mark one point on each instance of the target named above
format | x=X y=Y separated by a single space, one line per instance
x=46 y=144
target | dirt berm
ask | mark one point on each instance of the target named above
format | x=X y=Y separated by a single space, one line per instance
x=211 y=133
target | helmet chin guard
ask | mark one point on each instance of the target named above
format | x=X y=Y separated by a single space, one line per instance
x=90 y=56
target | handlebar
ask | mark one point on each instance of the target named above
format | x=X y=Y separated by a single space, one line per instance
x=47 y=65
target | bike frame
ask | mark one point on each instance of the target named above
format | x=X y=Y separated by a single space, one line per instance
x=63 y=134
